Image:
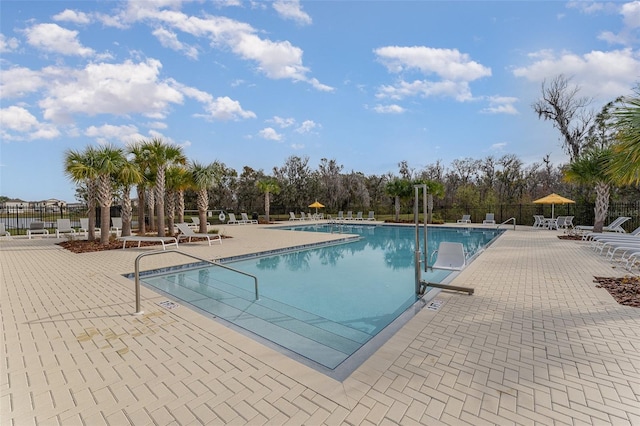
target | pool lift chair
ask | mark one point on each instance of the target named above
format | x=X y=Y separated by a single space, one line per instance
x=451 y=256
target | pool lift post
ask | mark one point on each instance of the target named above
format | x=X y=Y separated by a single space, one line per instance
x=421 y=286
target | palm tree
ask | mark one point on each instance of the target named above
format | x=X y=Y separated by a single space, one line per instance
x=80 y=168
x=160 y=156
x=177 y=182
x=202 y=177
x=268 y=186
x=128 y=175
x=398 y=188
x=590 y=169
x=625 y=162
x=109 y=161
x=140 y=159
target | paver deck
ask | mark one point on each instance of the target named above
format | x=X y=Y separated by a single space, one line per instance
x=537 y=343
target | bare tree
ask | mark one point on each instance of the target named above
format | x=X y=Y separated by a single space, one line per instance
x=561 y=105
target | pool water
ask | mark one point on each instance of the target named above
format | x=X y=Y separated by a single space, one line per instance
x=323 y=303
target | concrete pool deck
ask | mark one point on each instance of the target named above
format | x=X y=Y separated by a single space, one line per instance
x=537 y=343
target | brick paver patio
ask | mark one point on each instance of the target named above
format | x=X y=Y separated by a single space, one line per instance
x=537 y=343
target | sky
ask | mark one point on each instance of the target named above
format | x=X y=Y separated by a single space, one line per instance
x=251 y=83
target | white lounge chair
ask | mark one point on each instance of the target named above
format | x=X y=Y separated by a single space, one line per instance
x=466 y=218
x=232 y=219
x=538 y=221
x=359 y=216
x=3 y=231
x=340 y=215
x=116 y=225
x=489 y=219
x=84 y=227
x=64 y=227
x=292 y=216
x=450 y=256
x=246 y=220
x=37 y=227
x=614 y=226
x=372 y=215
x=187 y=232
x=195 y=222
x=349 y=215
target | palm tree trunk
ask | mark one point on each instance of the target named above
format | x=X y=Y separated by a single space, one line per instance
x=171 y=211
x=203 y=205
x=104 y=198
x=267 y=205
x=397 y=208
x=159 y=192
x=142 y=229
x=602 y=206
x=151 y=201
x=91 y=204
x=127 y=212
x=180 y=205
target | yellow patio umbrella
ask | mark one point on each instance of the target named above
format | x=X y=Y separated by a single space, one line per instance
x=553 y=199
x=316 y=205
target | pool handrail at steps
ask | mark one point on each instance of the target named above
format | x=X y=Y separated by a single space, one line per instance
x=508 y=220
x=139 y=311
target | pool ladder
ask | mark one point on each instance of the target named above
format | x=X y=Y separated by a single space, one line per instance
x=139 y=310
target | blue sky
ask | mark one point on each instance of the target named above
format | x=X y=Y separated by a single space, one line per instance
x=367 y=83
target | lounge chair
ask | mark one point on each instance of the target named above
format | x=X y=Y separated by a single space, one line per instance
x=349 y=215
x=187 y=232
x=292 y=216
x=538 y=221
x=246 y=220
x=3 y=231
x=359 y=216
x=340 y=215
x=37 y=227
x=466 y=218
x=84 y=227
x=64 y=227
x=116 y=225
x=489 y=219
x=232 y=219
x=614 y=226
x=371 y=216
x=195 y=222
x=165 y=241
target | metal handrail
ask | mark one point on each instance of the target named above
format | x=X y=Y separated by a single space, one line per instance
x=151 y=253
x=511 y=218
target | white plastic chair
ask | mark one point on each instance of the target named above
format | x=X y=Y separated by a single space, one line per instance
x=64 y=227
x=187 y=232
x=451 y=256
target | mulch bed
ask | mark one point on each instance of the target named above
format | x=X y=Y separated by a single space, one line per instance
x=626 y=290
x=84 y=246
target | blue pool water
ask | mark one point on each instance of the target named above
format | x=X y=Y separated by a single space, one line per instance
x=322 y=303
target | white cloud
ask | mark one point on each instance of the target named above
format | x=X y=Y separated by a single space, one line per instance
x=631 y=14
x=17 y=123
x=69 y=15
x=448 y=64
x=270 y=133
x=170 y=40
x=225 y=108
x=457 y=90
x=290 y=9
x=297 y=146
x=389 y=109
x=501 y=105
x=498 y=147
x=282 y=122
x=8 y=44
x=451 y=71
x=118 y=89
x=599 y=74
x=276 y=60
x=19 y=81
x=107 y=133
x=306 y=126
x=54 y=38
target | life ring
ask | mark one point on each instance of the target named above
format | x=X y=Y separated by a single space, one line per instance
x=222 y=217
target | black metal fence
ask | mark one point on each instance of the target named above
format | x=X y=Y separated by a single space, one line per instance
x=17 y=220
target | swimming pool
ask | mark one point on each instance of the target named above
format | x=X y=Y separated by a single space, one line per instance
x=323 y=303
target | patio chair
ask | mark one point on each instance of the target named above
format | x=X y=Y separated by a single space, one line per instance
x=489 y=219
x=349 y=215
x=37 y=227
x=466 y=218
x=195 y=222
x=187 y=233
x=372 y=215
x=359 y=216
x=246 y=220
x=84 y=227
x=64 y=227
x=538 y=221
x=340 y=215
x=116 y=225
x=3 y=231
x=292 y=216
x=232 y=219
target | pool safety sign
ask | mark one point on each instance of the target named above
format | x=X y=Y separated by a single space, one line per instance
x=168 y=304
x=435 y=304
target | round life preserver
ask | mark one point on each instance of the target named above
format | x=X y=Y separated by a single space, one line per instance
x=222 y=217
